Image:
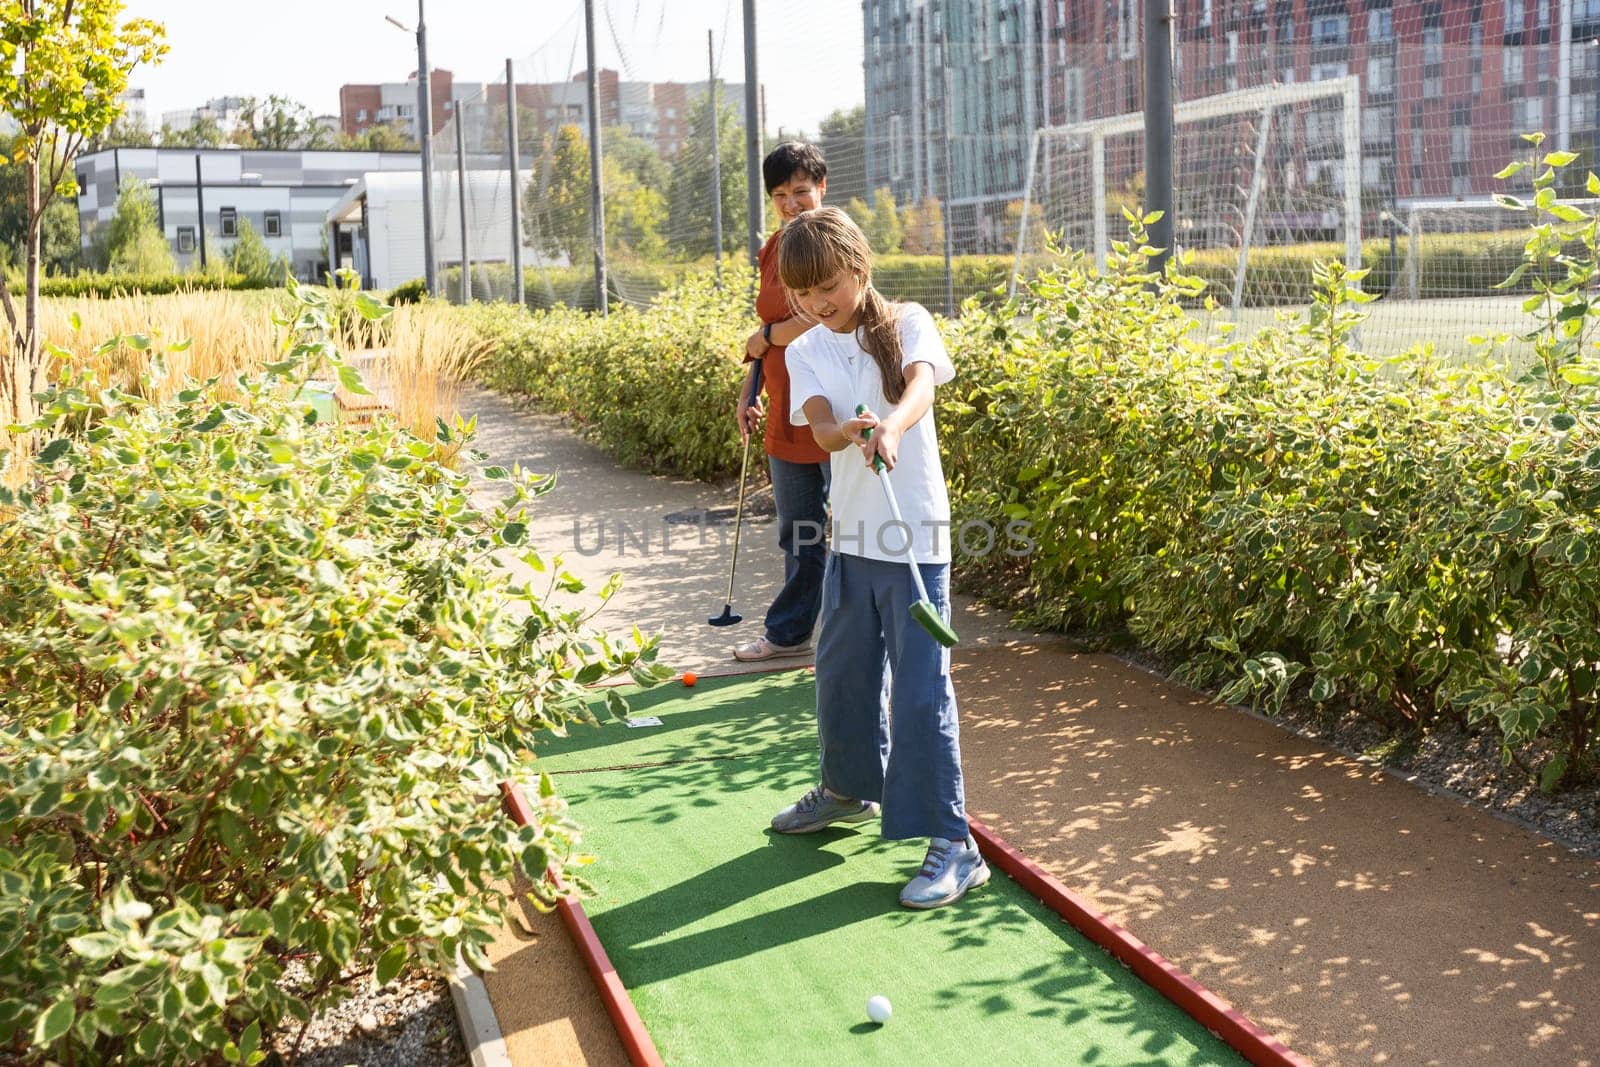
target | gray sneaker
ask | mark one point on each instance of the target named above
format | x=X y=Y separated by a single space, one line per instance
x=948 y=870
x=819 y=808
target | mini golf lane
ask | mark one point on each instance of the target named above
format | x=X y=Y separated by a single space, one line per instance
x=738 y=945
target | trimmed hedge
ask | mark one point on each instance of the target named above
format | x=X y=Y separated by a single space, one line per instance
x=655 y=387
x=114 y=285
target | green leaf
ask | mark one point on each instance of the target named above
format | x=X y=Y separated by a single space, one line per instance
x=1506 y=522
x=1562 y=421
x=1580 y=375
x=98 y=946
x=371 y=308
x=53 y=451
x=350 y=379
x=513 y=533
x=390 y=963
x=1577 y=551
x=56 y=1021
x=1550 y=776
x=547 y=788
x=1511 y=168
x=535 y=862
x=1559 y=159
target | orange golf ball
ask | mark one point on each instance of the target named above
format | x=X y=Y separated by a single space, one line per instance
x=689 y=678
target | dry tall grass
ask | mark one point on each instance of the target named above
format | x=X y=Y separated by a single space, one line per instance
x=424 y=357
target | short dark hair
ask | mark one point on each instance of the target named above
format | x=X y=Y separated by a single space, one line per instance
x=790 y=156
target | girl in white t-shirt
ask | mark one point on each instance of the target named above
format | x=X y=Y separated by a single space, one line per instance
x=886 y=711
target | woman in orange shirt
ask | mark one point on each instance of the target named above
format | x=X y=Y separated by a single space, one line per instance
x=796 y=177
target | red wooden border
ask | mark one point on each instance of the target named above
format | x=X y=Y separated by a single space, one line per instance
x=631 y=1031
x=1211 y=1011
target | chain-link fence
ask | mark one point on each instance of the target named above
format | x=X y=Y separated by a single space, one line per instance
x=979 y=131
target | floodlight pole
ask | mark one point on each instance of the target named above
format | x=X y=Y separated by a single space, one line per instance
x=516 y=180
x=949 y=163
x=597 y=200
x=461 y=187
x=430 y=263
x=752 y=133
x=1158 y=126
x=716 y=155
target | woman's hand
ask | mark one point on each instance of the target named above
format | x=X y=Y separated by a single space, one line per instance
x=755 y=346
x=749 y=415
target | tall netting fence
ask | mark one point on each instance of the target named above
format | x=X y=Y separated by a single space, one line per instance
x=969 y=139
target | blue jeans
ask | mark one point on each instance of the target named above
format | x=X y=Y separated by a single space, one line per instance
x=873 y=654
x=800 y=491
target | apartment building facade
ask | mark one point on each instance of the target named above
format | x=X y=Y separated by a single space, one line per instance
x=1446 y=86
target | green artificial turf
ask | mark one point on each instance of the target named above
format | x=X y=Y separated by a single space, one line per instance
x=741 y=946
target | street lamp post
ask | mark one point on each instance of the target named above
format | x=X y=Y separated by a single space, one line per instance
x=424 y=128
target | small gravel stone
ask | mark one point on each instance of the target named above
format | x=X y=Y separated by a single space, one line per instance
x=411 y=1022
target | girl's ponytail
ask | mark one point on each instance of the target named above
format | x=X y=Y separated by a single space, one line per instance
x=880 y=338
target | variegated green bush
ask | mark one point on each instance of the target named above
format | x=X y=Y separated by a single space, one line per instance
x=259 y=678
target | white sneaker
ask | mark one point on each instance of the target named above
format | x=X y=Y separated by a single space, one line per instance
x=948 y=871
x=761 y=649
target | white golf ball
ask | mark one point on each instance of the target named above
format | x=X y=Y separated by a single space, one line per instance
x=879 y=1009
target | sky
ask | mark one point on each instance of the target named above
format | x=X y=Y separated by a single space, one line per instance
x=306 y=49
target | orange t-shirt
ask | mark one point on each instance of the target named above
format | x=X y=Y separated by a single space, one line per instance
x=783 y=439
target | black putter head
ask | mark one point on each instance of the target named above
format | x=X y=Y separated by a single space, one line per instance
x=727 y=618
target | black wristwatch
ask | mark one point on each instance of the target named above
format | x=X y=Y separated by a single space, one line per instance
x=766 y=334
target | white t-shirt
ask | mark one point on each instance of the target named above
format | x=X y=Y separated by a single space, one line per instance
x=833 y=366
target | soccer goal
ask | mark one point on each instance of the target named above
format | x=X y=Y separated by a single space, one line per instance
x=1253 y=168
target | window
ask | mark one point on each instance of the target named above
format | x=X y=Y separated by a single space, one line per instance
x=1511 y=64
x=1377 y=124
x=1329 y=71
x=1286 y=30
x=229 y=222
x=1380 y=74
x=361 y=114
x=83 y=185
x=1330 y=30
x=185 y=238
x=272 y=224
x=1516 y=16
x=1128 y=28
x=1380 y=25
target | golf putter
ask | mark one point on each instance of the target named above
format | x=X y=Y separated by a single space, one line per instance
x=923 y=611
x=728 y=618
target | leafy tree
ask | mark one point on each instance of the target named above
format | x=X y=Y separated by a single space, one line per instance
x=382 y=137
x=124 y=133
x=63 y=65
x=880 y=221
x=842 y=138
x=690 y=226
x=251 y=257
x=556 y=201
x=924 y=228
x=204 y=133
x=279 y=123
x=59 y=227
x=134 y=241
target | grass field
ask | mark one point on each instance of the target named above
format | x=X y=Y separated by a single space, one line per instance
x=1393 y=326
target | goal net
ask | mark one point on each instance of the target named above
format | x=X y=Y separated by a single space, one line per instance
x=1254 y=169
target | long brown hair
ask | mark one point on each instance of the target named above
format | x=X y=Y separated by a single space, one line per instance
x=815 y=246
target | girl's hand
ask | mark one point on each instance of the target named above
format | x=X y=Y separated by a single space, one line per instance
x=755 y=345
x=884 y=443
